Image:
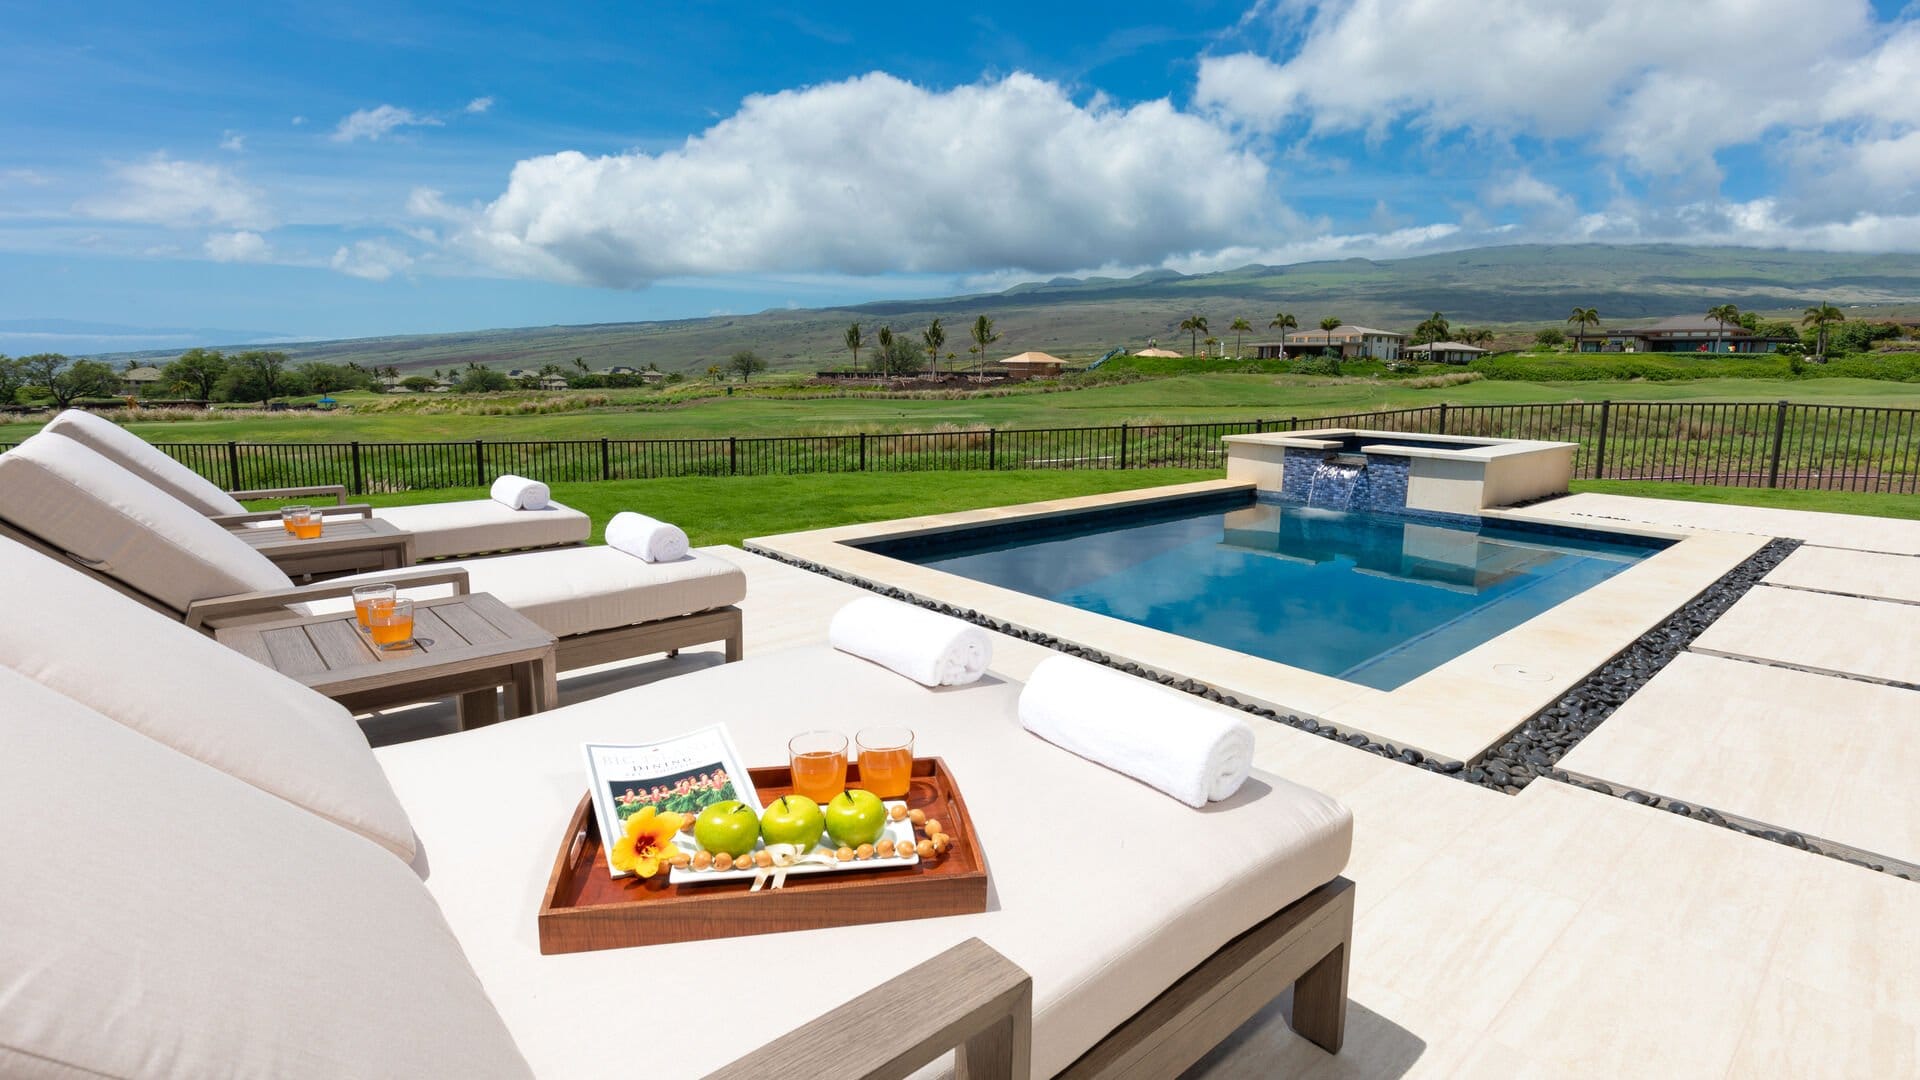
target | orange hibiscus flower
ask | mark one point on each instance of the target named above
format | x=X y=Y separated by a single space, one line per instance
x=646 y=846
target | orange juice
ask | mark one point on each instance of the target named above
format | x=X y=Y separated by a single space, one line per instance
x=819 y=776
x=287 y=524
x=886 y=773
x=308 y=529
x=391 y=631
x=362 y=608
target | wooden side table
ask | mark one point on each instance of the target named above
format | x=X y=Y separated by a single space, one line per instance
x=344 y=546
x=465 y=645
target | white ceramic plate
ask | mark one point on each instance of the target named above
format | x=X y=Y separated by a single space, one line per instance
x=897 y=831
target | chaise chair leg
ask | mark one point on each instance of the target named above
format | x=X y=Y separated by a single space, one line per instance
x=673 y=654
x=1320 y=1002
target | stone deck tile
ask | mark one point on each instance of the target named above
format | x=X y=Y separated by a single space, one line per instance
x=1845 y=635
x=1854 y=573
x=1858 y=532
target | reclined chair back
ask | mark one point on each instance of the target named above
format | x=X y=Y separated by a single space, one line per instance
x=144 y=460
x=65 y=499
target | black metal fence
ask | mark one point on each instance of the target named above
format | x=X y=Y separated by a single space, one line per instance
x=1784 y=445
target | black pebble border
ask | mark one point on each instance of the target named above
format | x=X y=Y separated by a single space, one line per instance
x=1531 y=751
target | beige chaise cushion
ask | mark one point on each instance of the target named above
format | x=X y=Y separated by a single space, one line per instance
x=75 y=500
x=1103 y=889
x=475 y=526
x=133 y=665
x=573 y=591
x=164 y=919
x=143 y=459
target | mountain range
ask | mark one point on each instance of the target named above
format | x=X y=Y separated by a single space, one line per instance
x=1508 y=288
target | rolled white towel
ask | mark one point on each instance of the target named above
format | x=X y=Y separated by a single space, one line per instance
x=521 y=493
x=1157 y=736
x=647 y=538
x=930 y=648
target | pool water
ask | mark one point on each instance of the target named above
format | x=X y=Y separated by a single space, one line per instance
x=1373 y=598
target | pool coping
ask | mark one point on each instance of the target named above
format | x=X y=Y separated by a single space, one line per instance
x=1453 y=713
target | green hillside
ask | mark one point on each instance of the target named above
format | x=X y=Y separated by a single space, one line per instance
x=1501 y=287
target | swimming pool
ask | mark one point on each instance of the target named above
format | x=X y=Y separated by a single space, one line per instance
x=1369 y=597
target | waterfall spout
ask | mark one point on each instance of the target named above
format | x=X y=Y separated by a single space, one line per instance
x=1336 y=484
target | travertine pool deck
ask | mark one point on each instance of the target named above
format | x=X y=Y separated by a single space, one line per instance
x=1817 y=631
x=1850 y=573
x=1826 y=757
x=1555 y=933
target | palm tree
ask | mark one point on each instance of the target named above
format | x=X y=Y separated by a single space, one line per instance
x=1330 y=324
x=1283 y=321
x=1239 y=326
x=854 y=341
x=935 y=336
x=1210 y=343
x=983 y=336
x=1194 y=325
x=1820 y=316
x=1724 y=314
x=1481 y=336
x=1582 y=318
x=1434 y=328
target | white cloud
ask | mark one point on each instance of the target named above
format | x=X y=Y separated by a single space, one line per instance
x=479 y=105
x=25 y=178
x=241 y=246
x=1659 y=84
x=299 y=121
x=233 y=140
x=377 y=123
x=166 y=191
x=875 y=175
x=1528 y=192
x=375 y=260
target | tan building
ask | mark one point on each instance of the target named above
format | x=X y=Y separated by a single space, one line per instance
x=136 y=381
x=1444 y=352
x=1349 y=341
x=1033 y=365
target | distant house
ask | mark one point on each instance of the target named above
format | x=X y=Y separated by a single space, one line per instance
x=650 y=376
x=622 y=369
x=553 y=382
x=1444 y=352
x=1162 y=353
x=1032 y=365
x=136 y=381
x=1349 y=341
x=522 y=373
x=1680 y=334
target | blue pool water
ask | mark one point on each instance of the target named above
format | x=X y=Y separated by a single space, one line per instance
x=1372 y=598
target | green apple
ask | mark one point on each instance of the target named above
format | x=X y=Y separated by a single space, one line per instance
x=793 y=819
x=856 y=817
x=727 y=826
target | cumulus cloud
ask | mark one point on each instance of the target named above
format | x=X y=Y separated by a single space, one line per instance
x=233 y=141
x=379 y=122
x=375 y=260
x=479 y=105
x=161 y=190
x=874 y=175
x=241 y=246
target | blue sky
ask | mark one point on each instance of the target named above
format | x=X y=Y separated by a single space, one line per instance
x=347 y=170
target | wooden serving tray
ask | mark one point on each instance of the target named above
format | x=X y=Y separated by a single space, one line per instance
x=587 y=908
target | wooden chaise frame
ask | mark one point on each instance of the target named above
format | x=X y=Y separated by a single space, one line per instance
x=576 y=651
x=977 y=1003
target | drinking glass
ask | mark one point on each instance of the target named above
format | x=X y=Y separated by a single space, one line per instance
x=291 y=514
x=307 y=525
x=886 y=759
x=374 y=597
x=391 y=625
x=818 y=760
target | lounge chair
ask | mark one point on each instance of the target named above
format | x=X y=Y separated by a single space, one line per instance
x=603 y=605
x=440 y=530
x=279 y=923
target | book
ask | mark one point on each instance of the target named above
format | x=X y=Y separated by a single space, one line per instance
x=681 y=775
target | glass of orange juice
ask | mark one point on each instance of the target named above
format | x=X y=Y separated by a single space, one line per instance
x=886 y=759
x=818 y=760
x=368 y=598
x=306 y=526
x=289 y=515
x=391 y=624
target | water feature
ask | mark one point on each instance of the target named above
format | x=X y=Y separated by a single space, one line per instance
x=1336 y=483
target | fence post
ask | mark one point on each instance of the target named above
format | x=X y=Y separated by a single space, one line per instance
x=1293 y=423
x=1443 y=418
x=1600 y=448
x=1123 y=444
x=606 y=460
x=993 y=450
x=863 y=451
x=733 y=454
x=1259 y=427
x=479 y=463
x=359 y=478
x=233 y=466
x=1779 y=437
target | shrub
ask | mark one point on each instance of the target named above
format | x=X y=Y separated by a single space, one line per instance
x=1317 y=365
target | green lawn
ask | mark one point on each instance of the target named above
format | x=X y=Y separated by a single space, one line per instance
x=1185 y=399
x=728 y=509
x=1832 y=502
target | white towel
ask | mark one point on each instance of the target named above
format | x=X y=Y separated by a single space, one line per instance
x=1157 y=736
x=521 y=493
x=646 y=538
x=930 y=648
